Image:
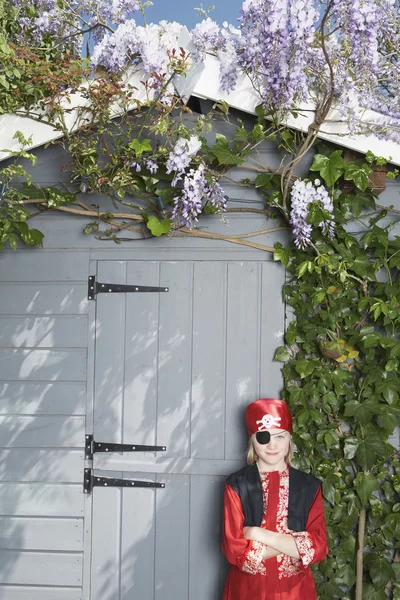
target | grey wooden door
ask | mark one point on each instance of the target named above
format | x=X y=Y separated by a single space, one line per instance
x=176 y=369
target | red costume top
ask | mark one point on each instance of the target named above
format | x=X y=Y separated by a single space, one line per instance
x=281 y=577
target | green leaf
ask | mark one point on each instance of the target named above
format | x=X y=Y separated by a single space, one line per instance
x=358 y=174
x=263 y=180
x=241 y=135
x=305 y=367
x=223 y=154
x=282 y=255
x=380 y=570
x=365 y=485
x=282 y=354
x=330 y=168
x=33 y=236
x=350 y=447
x=158 y=227
x=369 y=449
x=140 y=146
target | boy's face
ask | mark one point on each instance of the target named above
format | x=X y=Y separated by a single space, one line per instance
x=274 y=453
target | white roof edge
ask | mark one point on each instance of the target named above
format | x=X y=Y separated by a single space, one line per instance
x=245 y=98
x=202 y=81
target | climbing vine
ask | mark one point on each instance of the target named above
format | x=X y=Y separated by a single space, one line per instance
x=341 y=369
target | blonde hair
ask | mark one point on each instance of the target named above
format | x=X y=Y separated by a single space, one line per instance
x=252 y=455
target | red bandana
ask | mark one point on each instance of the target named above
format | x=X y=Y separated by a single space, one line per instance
x=268 y=413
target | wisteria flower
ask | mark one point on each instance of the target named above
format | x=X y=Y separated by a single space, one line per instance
x=302 y=196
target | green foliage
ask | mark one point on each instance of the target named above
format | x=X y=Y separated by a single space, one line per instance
x=156 y=226
x=341 y=364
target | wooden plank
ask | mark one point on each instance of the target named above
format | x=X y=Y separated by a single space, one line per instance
x=28 y=464
x=109 y=374
x=42 y=365
x=243 y=352
x=185 y=252
x=40 y=568
x=106 y=532
x=137 y=542
x=206 y=495
x=141 y=462
x=174 y=359
x=10 y=592
x=272 y=328
x=27 y=533
x=141 y=356
x=42 y=431
x=30 y=398
x=60 y=331
x=209 y=346
x=38 y=499
x=43 y=298
x=172 y=523
x=44 y=265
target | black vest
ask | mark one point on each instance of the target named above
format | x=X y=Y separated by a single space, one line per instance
x=302 y=490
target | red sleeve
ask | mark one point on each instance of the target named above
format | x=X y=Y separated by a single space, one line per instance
x=312 y=543
x=244 y=554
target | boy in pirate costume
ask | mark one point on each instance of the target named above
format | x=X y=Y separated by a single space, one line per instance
x=274 y=525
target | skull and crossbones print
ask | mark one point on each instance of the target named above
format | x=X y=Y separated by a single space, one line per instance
x=268 y=422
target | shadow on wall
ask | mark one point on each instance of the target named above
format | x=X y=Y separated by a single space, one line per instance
x=168 y=387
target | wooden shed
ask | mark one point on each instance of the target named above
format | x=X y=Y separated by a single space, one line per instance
x=86 y=364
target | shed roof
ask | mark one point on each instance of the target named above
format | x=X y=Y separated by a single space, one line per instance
x=202 y=81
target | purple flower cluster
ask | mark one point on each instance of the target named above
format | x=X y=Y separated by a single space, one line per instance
x=302 y=195
x=115 y=11
x=196 y=192
x=279 y=34
x=152 y=45
x=225 y=43
x=180 y=157
x=149 y=163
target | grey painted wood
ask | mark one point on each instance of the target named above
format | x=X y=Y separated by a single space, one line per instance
x=35 y=398
x=138 y=542
x=106 y=543
x=141 y=356
x=27 y=533
x=43 y=332
x=243 y=351
x=44 y=265
x=174 y=359
x=8 y=592
x=206 y=567
x=29 y=464
x=141 y=462
x=43 y=298
x=42 y=568
x=38 y=499
x=223 y=252
x=209 y=360
x=191 y=362
x=42 y=365
x=273 y=278
x=42 y=431
x=109 y=371
x=172 y=532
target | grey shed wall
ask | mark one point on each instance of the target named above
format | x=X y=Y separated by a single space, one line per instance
x=47 y=378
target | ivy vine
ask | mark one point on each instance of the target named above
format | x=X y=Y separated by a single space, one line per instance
x=341 y=365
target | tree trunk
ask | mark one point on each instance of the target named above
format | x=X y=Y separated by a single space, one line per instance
x=360 y=553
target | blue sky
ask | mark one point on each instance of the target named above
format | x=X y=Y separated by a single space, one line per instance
x=183 y=11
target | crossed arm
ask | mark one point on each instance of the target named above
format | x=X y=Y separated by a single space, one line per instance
x=275 y=543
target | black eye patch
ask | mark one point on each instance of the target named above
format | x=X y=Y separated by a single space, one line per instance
x=263 y=437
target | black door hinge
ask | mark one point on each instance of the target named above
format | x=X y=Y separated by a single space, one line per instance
x=90 y=481
x=91 y=447
x=94 y=288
